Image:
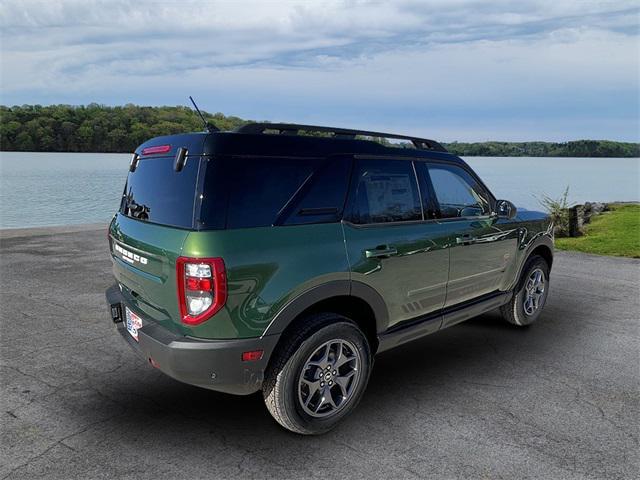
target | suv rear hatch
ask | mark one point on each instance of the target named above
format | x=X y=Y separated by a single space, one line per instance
x=155 y=216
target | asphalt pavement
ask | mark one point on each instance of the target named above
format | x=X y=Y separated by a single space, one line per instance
x=483 y=399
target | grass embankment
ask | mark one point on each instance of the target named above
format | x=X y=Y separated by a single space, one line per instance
x=616 y=232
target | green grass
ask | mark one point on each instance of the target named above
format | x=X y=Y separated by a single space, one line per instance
x=611 y=233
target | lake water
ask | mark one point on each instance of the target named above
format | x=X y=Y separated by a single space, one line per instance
x=40 y=189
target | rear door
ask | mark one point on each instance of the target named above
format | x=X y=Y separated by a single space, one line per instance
x=144 y=259
x=391 y=246
x=481 y=250
x=150 y=228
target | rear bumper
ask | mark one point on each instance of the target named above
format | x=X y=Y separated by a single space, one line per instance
x=212 y=364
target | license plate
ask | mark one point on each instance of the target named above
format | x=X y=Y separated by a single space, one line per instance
x=134 y=323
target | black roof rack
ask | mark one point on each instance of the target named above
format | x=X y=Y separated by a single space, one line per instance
x=293 y=129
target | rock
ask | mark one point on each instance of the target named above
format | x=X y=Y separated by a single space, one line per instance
x=593 y=208
x=578 y=216
x=576 y=220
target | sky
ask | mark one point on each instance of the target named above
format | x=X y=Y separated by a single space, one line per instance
x=451 y=70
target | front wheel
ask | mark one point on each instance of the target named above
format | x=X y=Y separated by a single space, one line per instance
x=531 y=294
x=318 y=375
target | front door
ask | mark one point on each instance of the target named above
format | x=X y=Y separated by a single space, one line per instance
x=390 y=244
x=481 y=248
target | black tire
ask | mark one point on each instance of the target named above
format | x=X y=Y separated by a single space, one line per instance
x=282 y=380
x=515 y=312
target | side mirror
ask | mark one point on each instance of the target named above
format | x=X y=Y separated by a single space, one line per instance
x=506 y=209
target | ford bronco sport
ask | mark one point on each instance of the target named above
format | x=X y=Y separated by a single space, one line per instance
x=281 y=258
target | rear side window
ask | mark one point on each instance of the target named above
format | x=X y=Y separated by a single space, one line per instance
x=259 y=188
x=323 y=197
x=385 y=191
x=457 y=192
x=156 y=193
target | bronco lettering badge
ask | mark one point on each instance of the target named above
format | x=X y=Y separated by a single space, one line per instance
x=129 y=256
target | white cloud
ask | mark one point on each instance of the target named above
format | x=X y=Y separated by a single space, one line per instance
x=322 y=61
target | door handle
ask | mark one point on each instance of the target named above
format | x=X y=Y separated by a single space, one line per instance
x=466 y=239
x=382 y=251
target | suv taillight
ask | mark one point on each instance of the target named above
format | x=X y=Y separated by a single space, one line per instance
x=202 y=288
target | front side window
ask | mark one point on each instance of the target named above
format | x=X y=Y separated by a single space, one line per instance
x=457 y=193
x=385 y=191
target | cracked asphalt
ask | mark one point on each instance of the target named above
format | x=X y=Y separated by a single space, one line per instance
x=479 y=400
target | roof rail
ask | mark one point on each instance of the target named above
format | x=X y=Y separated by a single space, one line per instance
x=293 y=129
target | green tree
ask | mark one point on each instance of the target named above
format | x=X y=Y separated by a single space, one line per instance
x=100 y=128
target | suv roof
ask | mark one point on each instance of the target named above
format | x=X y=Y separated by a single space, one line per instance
x=295 y=129
x=283 y=139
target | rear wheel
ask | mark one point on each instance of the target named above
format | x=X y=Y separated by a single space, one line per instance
x=318 y=375
x=528 y=300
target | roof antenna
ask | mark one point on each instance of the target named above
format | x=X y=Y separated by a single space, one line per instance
x=210 y=128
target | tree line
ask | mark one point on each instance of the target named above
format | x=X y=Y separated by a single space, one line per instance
x=96 y=128
x=577 y=148
x=100 y=128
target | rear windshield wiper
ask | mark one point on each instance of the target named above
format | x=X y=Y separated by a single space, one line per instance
x=138 y=211
x=135 y=210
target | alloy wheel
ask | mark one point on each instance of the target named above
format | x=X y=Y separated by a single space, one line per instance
x=329 y=378
x=534 y=292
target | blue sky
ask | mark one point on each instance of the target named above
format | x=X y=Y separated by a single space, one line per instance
x=451 y=70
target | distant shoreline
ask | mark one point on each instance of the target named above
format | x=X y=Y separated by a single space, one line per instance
x=98 y=128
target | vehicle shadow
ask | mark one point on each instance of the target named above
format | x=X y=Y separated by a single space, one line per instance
x=475 y=346
x=417 y=394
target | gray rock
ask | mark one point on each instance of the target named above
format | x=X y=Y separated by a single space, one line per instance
x=593 y=208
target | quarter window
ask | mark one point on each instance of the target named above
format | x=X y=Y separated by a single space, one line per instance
x=260 y=187
x=324 y=198
x=458 y=194
x=385 y=191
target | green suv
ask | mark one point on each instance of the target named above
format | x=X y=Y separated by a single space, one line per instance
x=282 y=258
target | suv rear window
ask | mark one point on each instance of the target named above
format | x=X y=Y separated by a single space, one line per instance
x=156 y=193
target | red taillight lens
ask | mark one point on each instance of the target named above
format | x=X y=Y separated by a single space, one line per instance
x=199 y=283
x=252 y=356
x=156 y=149
x=202 y=288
